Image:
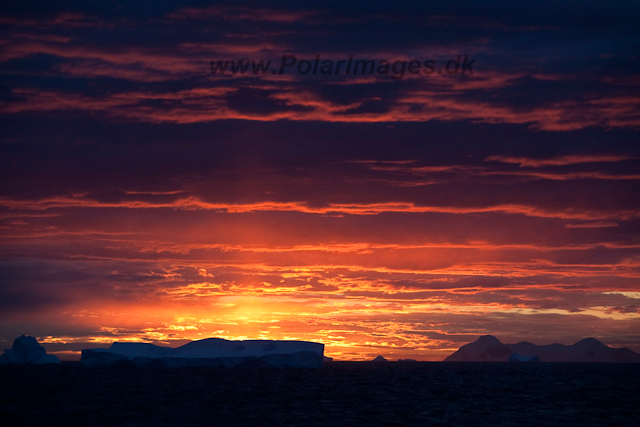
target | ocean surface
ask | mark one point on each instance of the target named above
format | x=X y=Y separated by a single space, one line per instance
x=338 y=394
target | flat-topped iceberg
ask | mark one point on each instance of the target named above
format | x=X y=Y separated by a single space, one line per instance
x=212 y=352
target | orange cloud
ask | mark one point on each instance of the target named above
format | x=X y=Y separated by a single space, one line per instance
x=559 y=161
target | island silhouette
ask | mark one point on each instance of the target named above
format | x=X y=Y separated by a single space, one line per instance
x=489 y=349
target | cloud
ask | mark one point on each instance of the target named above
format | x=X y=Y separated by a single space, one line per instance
x=559 y=161
x=599 y=224
x=227 y=13
x=143 y=198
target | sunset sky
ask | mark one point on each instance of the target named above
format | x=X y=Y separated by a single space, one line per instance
x=144 y=199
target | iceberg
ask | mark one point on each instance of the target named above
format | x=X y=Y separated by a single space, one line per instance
x=26 y=350
x=211 y=352
x=515 y=357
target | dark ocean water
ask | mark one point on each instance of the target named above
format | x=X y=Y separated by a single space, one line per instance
x=339 y=394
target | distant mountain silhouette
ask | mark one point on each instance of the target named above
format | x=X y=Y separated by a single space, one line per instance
x=489 y=349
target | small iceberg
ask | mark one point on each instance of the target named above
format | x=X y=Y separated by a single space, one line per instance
x=515 y=357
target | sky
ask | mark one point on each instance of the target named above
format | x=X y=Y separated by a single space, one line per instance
x=400 y=213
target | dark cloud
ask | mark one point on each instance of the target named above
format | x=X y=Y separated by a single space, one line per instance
x=259 y=102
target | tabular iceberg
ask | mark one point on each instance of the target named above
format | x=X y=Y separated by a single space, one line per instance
x=26 y=350
x=211 y=352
